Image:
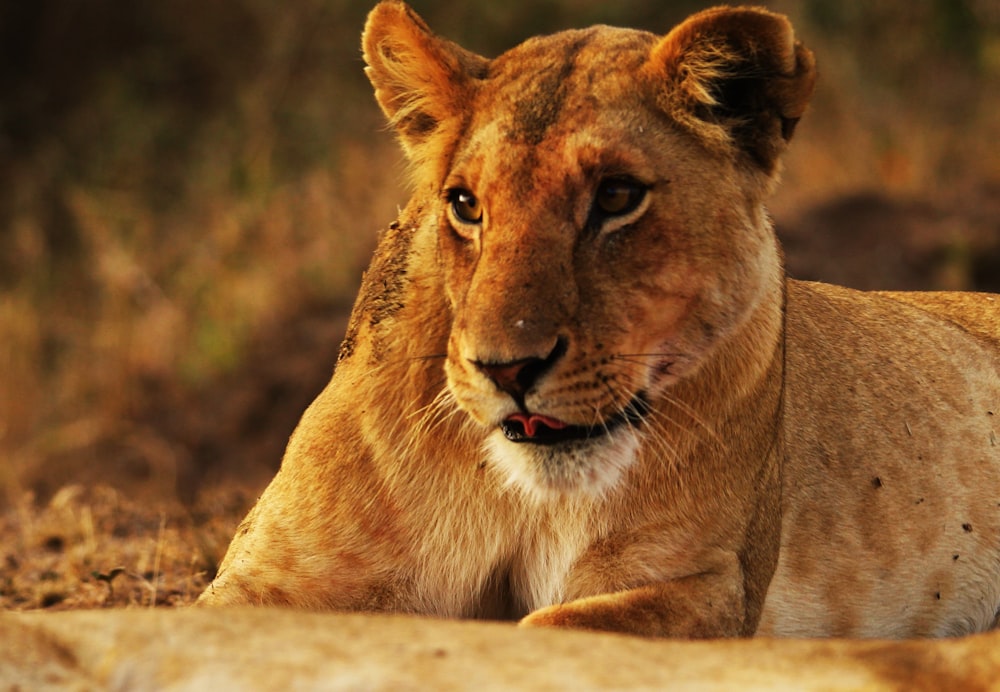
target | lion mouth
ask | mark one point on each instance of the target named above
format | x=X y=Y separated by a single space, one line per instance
x=539 y=429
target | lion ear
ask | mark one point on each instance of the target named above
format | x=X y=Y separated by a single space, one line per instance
x=422 y=82
x=735 y=76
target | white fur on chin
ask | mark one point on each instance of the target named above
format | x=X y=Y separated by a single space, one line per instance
x=545 y=473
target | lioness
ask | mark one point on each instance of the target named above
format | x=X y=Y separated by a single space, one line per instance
x=578 y=389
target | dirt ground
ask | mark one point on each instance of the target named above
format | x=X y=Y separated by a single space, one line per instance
x=95 y=547
x=114 y=538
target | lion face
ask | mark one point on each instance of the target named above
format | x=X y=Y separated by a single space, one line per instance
x=586 y=266
x=597 y=246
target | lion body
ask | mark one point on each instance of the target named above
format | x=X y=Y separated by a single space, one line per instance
x=891 y=463
x=577 y=389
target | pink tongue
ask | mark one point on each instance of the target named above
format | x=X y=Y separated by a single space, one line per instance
x=532 y=422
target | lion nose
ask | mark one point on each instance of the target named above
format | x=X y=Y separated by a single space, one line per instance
x=517 y=377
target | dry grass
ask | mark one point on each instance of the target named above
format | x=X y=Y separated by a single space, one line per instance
x=95 y=548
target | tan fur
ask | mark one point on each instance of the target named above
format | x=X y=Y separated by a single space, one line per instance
x=781 y=458
x=277 y=649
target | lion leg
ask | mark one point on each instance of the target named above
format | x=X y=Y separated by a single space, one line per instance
x=702 y=606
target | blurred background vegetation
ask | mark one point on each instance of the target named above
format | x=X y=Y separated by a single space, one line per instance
x=189 y=192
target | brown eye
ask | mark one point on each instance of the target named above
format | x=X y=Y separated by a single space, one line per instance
x=618 y=196
x=465 y=207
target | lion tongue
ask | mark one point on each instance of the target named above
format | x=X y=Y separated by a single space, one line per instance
x=532 y=421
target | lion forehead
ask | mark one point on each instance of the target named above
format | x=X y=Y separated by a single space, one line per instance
x=556 y=79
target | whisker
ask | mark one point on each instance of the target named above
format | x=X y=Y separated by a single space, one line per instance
x=693 y=415
x=660 y=446
x=650 y=436
x=664 y=354
x=681 y=406
x=442 y=390
x=443 y=408
x=685 y=419
x=614 y=396
x=433 y=416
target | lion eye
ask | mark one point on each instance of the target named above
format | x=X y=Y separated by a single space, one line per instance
x=618 y=196
x=465 y=206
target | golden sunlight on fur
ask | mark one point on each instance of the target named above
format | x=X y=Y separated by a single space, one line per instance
x=276 y=649
x=578 y=389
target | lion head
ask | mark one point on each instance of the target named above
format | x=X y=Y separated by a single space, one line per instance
x=597 y=198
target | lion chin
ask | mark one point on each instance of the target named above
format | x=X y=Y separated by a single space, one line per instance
x=588 y=466
x=547 y=458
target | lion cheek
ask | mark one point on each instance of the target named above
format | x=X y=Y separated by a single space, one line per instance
x=666 y=336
